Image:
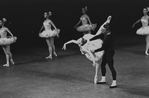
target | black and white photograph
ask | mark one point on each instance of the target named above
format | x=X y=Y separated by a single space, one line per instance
x=74 y=49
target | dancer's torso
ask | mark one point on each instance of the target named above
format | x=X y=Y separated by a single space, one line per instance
x=84 y=19
x=47 y=24
x=3 y=32
x=145 y=20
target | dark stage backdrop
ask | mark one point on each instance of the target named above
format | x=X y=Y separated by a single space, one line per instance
x=25 y=17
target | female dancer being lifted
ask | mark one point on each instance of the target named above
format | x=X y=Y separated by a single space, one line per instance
x=49 y=34
x=144 y=30
x=5 y=41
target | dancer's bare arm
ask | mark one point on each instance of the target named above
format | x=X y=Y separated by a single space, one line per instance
x=9 y=32
x=71 y=41
x=77 y=23
x=136 y=22
x=53 y=25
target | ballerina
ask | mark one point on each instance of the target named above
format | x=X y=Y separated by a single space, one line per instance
x=6 y=41
x=144 y=30
x=49 y=34
x=85 y=27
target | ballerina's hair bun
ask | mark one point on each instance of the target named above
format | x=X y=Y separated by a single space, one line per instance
x=50 y=12
x=85 y=8
x=4 y=20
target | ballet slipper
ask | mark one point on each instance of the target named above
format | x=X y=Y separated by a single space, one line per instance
x=6 y=65
x=95 y=80
x=146 y=53
x=55 y=54
x=49 y=57
x=12 y=61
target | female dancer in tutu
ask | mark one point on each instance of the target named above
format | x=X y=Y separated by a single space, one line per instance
x=144 y=30
x=5 y=41
x=49 y=34
x=85 y=27
x=86 y=48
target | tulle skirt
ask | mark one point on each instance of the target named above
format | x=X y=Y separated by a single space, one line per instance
x=143 y=31
x=49 y=33
x=7 y=41
x=86 y=27
x=91 y=46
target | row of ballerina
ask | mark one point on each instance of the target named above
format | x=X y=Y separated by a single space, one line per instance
x=86 y=28
x=86 y=45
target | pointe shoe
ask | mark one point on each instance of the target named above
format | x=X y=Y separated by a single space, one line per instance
x=6 y=65
x=95 y=80
x=12 y=61
x=55 y=54
x=146 y=53
x=49 y=57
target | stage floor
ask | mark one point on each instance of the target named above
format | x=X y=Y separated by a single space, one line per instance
x=70 y=75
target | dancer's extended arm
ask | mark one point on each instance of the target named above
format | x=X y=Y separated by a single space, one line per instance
x=89 y=19
x=136 y=22
x=77 y=23
x=53 y=25
x=9 y=32
x=71 y=41
x=41 y=29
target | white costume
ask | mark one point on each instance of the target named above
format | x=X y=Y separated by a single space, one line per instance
x=85 y=27
x=144 y=30
x=48 y=32
x=91 y=46
x=6 y=40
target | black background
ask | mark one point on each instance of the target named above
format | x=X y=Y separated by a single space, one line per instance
x=25 y=17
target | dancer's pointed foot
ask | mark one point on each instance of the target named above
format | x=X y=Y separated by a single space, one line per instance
x=6 y=65
x=146 y=53
x=12 y=61
x=95 y=80
x=55 y=54
x=49 y=57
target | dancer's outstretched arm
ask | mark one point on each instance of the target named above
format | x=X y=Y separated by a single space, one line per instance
x=71 y=41
x=89 y=20
x=9 y=32
x=102 y=26
x=77 y=23
x=136 y=22
x=53 y=25
x=41 y=29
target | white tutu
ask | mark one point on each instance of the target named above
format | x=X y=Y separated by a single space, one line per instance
x=95 y=44
x=91 y=46
x=7 y=41
x=49 y=33
x=143 y=31
x=86 y=27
